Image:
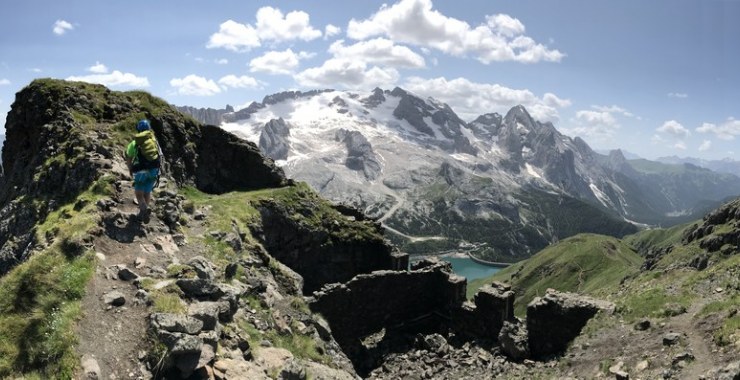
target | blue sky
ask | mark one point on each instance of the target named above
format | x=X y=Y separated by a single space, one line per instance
x=652 y=77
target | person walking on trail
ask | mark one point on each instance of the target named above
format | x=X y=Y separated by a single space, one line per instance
x=143 y=160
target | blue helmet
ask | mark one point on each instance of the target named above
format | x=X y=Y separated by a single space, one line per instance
x=143 y=125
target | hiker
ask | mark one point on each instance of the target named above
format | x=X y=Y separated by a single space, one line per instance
x=143 y=159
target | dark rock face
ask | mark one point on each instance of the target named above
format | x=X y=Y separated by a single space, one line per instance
x=493 y=305
x=226 y=162
x=513 y=340
x=555 y=319
x=274 y=139
x=375 y=99
x=414 y=110
x=318 y=252
x=360 y=154
x=210 y=116
x=487 y=126
x=370 y=302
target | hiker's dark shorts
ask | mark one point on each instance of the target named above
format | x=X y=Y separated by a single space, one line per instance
x=144 y=180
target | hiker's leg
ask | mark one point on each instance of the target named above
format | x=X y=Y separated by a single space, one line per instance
x=141 y=199
x=148 y=198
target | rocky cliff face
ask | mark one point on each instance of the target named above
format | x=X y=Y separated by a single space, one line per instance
x=209 y=116
x=274 y=139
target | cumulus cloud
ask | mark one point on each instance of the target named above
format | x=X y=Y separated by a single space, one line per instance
x=346 y=73
x=725 y=131
x=597 y=123
x=379 y=51
x=60 y=27
x=471 y=99
x=679 y=95
x=4 y=82
x=501 y=38
x=98 y=68
x=331 y=31
x=195 y=85
x=234 y=36
x=113 y=79
x=675 y=129
x=680 y=145
x=278 y=62
x=243 y=81
x=271 y=25
x=705 y=146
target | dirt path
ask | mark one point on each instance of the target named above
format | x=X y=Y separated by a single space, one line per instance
x=115 y=336
x=697 y=342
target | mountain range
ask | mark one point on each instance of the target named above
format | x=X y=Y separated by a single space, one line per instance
x=725 y=165
x=501 y=186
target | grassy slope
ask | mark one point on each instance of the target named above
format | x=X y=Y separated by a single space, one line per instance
x=40 y=299
x=584 y=263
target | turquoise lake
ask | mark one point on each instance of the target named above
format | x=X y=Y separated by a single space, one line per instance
x=469 y=269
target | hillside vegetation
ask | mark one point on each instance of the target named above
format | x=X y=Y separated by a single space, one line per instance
x=585 y=263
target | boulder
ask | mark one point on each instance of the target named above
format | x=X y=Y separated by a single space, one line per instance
x=671 y=338
x=90 y=368
x=556 y=319
x=199 y=287
x=513 y=341
x=292 y=370
x=203 y=268
x=206 y=312
x=114 y=298
x=175 y=323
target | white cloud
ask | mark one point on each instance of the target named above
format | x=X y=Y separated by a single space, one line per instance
x=705 y=146
x=415 y=22
x=61 y=27
x=243 y=81
x=505 y=25
x=35 y=70
x=98 y=68
x=613 y=109
x=235 y=37
x=553 y=100
x=471 y=99
x=680 y=145
x=195 y=85
x=379 y=51
x=680 y=95
x=273 y=25
x=278 y=62
x=725 y=131
x=116 y=78
x=675 y=129
x=222 y=61
x=599 y=123
x=331 y=31
x=4 y=82
x=346 y=73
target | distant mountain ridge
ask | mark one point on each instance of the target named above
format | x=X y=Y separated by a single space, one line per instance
x=507 y=185
x=726 y=165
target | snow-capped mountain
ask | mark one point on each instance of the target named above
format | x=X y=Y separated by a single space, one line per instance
x=506 y=185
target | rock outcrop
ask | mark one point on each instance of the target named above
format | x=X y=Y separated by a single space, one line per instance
x=556 y=318
x=209 y=116
x=360 y=154
x=274 y=139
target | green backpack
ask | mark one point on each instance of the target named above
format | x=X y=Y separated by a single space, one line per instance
x=147 y=149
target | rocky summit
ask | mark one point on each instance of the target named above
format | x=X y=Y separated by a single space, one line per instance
x=242 y=273
x=439 y=183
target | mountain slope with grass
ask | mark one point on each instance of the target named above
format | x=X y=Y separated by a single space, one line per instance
x=677 y=310
x=585 y=263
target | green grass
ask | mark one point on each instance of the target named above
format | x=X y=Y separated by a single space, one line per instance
x=654 y=301
x=656 y=238
x=168 y=303
x=585 y=263
x=301 y=346
x=40 y=298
